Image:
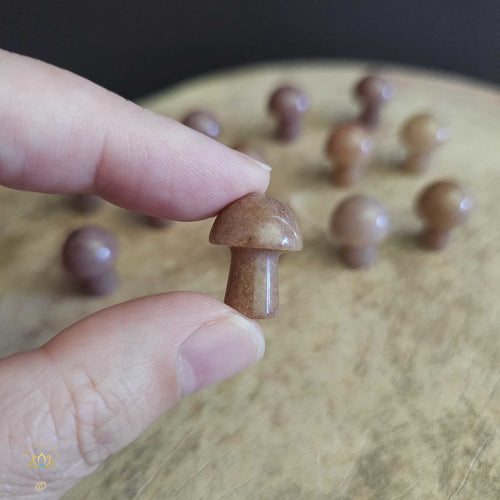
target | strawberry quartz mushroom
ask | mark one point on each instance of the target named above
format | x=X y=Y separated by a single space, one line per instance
x=442 y=206
x=358 y=224
x=88 y=255
x=348 y=149
x=421 y=135
x=203 y=121
x=372 y=92
x=258 y=229
x=287 y=104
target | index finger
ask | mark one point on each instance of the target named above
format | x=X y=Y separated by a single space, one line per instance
x=60 y=133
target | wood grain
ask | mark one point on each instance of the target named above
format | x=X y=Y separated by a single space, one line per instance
x=378 y=384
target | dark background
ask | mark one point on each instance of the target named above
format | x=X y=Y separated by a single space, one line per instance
x=135 y=47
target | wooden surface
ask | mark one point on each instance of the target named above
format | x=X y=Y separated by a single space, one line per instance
x=378 y=384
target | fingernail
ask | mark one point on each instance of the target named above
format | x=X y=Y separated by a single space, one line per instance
x=266 y=167
x=262 y=165
x=217 y=351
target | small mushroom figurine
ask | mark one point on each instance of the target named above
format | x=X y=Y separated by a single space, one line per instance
x=442 y=206
x=88 y=255
x=86 y=203
x=203 y=121
x=421 y=135
x=258 y=229
x=348 y=149
x=372 y=92
x=358 y=224
x=287 y=104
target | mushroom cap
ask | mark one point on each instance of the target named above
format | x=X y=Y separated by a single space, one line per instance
x=257 y=221
x=89 y=251
x=349 y=143
x=288 y=102
x=203 y=121
x=359 y=221
x=422 y=133
x=443 y=205
x=373 y=90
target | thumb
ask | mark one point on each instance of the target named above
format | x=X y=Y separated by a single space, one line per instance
x=97 y=385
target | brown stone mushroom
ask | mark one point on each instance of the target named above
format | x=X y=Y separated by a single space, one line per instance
x=287 y=104
x=88 y=255
x=442 y=206
x=258 y=229
x=372 y=92
x=348 y=149
x=358 y=224
x=421 y=135
x=203 y=121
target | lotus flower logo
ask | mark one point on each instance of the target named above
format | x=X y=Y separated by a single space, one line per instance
x=41 y=462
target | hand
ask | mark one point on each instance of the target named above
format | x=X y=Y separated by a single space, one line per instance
x=102 y=381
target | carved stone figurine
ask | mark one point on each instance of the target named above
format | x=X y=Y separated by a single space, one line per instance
x=88 y=255
x=287 y=104
x=372 y=92
x=442 y=206
x=348 y=149
x=258 y=229
x=357 y=225
x=203 y=121
x=421 y=135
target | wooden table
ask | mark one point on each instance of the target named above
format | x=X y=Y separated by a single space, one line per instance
x=377 y=384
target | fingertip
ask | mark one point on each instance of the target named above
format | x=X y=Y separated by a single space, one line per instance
x=217 y=351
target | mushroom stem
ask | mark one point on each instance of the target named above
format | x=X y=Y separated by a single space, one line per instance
x=357 y=257
x=434 y=239
x=252 y=285
x=370 y=116
x=416 y=163
x=288 y=130
x=346 y=176
x=101 y=284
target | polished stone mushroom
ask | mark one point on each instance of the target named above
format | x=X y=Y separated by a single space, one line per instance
x=88 y=255
x=348 y=148
x=372 y=92
x=287 y=104
x=203 y=121
x=358 y=224
x=258 y=229
x=421 y=135
x=441 y=206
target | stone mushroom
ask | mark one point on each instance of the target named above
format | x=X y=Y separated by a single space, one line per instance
x=421 y=135
x=287 y=104
x=348 y=149
x=258 y=229
x=372 y=92
x=358 y=224
x=88 y=255
x=442 y=206
x=203 y=121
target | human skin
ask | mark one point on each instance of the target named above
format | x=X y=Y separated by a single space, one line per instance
x=103 y=380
